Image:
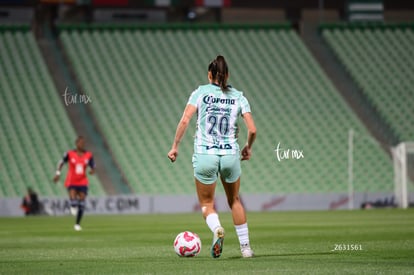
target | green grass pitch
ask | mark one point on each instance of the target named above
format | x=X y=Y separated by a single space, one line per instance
x=284 y=243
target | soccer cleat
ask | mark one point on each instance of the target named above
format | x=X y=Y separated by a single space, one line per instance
x=218 y=239
x=246 y=251
x=77 y=227
x=74 y=210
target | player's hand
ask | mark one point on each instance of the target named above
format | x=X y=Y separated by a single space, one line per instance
x=246 y=153
x=92 y=171
x=172 y=154
x=56 y=178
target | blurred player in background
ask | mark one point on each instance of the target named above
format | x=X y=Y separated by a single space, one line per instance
x=30 y=203
x=216 y=151
x=76 y=181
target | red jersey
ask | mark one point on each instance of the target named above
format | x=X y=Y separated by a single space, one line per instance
x=77 y=167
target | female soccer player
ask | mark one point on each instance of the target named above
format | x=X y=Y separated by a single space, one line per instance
x=216 y=151
x=76 y=180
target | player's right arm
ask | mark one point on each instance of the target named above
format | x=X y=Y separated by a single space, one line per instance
x=59 y=167
x=251 y=136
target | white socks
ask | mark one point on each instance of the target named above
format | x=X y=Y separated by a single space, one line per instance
x=213 y=221
x=242 y=230
x=243 y=233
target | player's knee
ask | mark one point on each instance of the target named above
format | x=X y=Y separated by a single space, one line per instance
x=233 y=201
x=207 y=209
x=74 y=202
x=81 y=205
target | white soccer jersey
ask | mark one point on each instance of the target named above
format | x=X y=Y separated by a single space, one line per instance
x=217 y=112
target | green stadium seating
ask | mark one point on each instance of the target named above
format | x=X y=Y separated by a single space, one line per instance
x=36 y=129
x=380 y=60
x=140 y=80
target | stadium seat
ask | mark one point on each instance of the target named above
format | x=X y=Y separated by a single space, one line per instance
x=36 y=129
x=380 y=61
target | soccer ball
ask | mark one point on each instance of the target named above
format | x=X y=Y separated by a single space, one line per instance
x=187 y=244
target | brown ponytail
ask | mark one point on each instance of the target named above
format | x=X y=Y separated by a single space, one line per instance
x=219 y=71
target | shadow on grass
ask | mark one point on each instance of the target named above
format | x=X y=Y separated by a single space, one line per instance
x=284 y=255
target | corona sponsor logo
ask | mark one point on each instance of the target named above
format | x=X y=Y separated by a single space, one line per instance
x=211 y=99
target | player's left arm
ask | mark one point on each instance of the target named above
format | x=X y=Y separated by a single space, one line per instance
x=189 y=111
x=92 y=166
